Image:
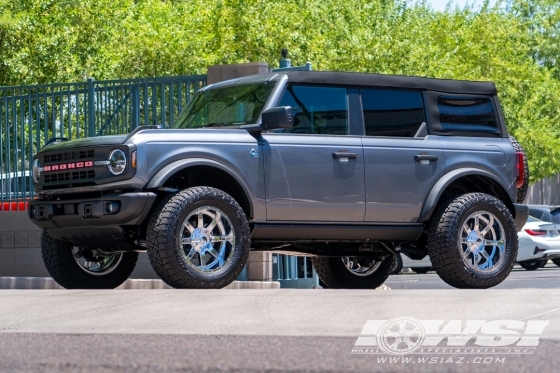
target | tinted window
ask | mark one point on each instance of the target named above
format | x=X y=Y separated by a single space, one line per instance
x=541 y=214
x=467 y=114
x=392 y=113
x=321 y=110
x=556 y=217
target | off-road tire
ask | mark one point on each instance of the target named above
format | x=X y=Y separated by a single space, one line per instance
x=332 y=272
x=397 y=264
x=163 y=238
x=521 y=192
x=422 y=270
x=443 y=241
x=63 y=268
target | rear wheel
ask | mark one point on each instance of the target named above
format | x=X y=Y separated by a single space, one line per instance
x=397 y=264
x=422 y=270
x=75 y=267
x=352 y=272
x=556 y=261
x=472 y=241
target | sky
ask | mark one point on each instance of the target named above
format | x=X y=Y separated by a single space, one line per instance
x=440 y=4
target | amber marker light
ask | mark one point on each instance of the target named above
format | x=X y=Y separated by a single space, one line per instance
x=133 y=159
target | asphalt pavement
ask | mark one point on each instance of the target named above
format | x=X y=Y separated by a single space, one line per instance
x=542 y=278
x=284 y=330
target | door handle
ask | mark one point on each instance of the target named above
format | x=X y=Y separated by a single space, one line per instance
x=425 y=157
x=338 y=155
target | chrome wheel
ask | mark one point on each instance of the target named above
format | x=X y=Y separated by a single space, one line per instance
x=94 y=264
x=207 y=240
x=360 y=266
x=483 y=242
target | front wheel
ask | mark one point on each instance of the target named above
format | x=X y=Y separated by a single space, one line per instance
x=199 y=238
x=352 y=272
x=472 y=241
x=556 y=261
x=75 y=267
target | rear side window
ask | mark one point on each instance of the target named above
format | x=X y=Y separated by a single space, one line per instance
x=317 y=110
x=466 y=114
x=392 y=113
x=542 y=214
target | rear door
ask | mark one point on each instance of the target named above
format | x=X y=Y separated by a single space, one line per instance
x=402 y=161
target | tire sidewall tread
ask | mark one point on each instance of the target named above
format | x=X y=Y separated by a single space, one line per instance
x=58 y=259
x=163 y=232
x=332 y=272
x=443 y=235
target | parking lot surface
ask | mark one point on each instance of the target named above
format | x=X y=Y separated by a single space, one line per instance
x=283 y=330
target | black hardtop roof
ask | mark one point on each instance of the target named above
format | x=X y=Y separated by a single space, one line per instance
x=391 y=81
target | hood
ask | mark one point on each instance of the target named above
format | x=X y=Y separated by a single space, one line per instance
x=87 y=142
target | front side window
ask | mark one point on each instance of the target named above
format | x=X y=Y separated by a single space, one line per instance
x=318 y=110
x=392 y=113
x=233 y=105
x=467 y=114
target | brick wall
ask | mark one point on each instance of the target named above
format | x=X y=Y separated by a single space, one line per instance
x=20 y=249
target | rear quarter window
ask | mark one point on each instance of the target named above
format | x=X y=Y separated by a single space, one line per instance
x=476 y=115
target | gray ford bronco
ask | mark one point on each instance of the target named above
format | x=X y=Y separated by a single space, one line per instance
x=349 y=169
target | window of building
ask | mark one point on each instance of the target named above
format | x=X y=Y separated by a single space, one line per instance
x=392 y=113
x=319 y=110
x=467 y=114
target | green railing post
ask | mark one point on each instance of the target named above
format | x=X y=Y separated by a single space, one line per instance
x=91 y=107
x=135 y=93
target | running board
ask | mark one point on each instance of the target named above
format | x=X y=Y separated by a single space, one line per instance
x=292 y=232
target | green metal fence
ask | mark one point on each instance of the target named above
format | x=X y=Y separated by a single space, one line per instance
x=31 y=115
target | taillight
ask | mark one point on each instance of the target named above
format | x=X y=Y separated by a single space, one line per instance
x=520 y=166
x=535 y=232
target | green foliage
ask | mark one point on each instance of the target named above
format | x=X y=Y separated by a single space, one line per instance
x=515 y=44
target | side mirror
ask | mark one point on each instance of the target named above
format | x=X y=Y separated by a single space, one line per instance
x=278 y=117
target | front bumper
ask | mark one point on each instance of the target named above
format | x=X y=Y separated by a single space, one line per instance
x=521 y=215
x=91 y=222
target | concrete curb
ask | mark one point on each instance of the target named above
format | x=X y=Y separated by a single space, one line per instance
x=49 y=283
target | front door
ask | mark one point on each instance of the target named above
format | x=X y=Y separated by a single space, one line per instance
x=315 y=170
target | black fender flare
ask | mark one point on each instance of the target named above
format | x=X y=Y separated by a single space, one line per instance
x=159 y=179
x=437 y=190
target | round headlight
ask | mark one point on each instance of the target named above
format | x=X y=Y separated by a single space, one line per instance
x=36 y=171
x=117 y=162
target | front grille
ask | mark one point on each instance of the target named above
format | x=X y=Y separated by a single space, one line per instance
x=68 y=156
x=69 y=176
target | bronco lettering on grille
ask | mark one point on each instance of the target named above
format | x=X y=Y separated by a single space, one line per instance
x=66 y=166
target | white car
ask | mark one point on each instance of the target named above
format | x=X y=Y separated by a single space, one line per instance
x=539 y=240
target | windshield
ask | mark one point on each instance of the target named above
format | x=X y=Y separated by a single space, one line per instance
x=232 y=105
